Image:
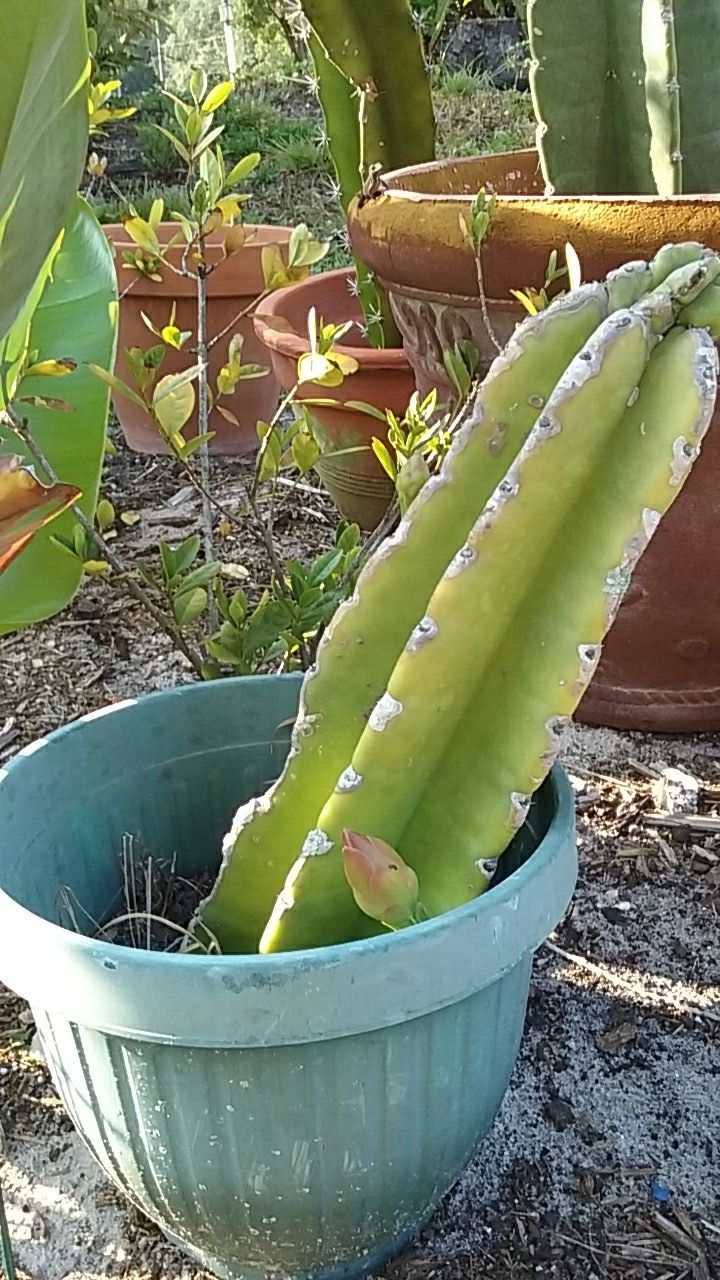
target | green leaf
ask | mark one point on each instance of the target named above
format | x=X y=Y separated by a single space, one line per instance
x=313 y=367
x=194 y=126
x=173 y=406
x=116 y=384
x=168 y=560
x=143 y=235
x=382 y=454
x=78 y=308
x=201 y=576
x=43 y=138
x=362 y=406
x=174 y=382
x=299 y=240
x=217 y=96
x=189 y=605
x=178 y=145
x=243 y=168
x=198 y=84
x=104 y=514
x=191 y=446
x=207 y=141
x=305 y=452
x=186 y=553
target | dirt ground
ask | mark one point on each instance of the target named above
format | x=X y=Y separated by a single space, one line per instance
x=604 y=1162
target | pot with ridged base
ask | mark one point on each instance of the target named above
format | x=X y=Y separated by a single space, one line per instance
x=296 y=1115
x=660 y=669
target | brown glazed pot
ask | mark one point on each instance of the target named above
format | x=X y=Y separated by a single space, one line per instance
x=356 y=482
x=660 y=669
x=235 y=284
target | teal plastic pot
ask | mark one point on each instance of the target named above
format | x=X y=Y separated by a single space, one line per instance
x=295 y=1115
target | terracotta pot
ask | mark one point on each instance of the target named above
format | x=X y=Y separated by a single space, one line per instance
x=661 y=664
x=232 y=287
x=356 y=482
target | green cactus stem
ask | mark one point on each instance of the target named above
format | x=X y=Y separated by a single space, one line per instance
x=467 y=729
x=569 y=364
x=360 y=648
x=624 y=93
x=374 y=91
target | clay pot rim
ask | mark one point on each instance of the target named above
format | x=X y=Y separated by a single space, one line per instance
x=294 y=344
x=393 y=185
x=114 y=232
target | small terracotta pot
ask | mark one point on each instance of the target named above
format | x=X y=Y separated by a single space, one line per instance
x=356 y=482
x=661 y=663
x=237 y=281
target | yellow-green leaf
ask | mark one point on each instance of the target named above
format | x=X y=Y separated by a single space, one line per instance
x=312 y=367
x=173 y=407
x=243 y=168
x=216 y=97
x=50 y=368
x=143 y=235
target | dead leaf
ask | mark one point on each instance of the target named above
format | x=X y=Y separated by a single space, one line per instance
x=26 y=506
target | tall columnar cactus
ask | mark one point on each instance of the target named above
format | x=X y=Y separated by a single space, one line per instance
x=375 y=95
x=442 y=687
x=625 y=93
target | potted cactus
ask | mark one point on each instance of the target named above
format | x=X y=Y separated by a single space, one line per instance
x=295 y=1100
x=374 y=92
x=627 y=160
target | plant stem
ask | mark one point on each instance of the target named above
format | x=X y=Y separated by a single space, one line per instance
x=133 y=588
x=203 y=423
x=483 y=301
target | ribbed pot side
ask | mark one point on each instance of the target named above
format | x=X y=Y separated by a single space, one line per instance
x=661 y=663
x=234 y=285
x=298 y=1115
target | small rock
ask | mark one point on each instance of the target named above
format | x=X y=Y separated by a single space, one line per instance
x=618 y=1037
x=681 y=949
x=614 y=914
x=676 y=792
x=36 y=1048
x=560 y=1113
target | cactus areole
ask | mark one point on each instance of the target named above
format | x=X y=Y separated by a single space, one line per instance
x=442 y=688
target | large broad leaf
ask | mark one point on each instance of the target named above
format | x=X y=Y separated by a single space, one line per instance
x=14 y=343
x=76 y=318
x=43 y=137
x=26 y=506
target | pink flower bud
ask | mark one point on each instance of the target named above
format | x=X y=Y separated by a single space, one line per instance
x=383 y=886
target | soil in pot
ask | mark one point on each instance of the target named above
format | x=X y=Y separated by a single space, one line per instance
x=661 y=663
x=232 y=287
x=359 y=487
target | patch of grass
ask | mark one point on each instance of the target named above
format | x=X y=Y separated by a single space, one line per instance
x=111 y=208
x=473 y=116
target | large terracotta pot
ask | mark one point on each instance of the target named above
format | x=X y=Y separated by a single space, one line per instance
x=237 y=281
x=355 y=481
x=661 y=664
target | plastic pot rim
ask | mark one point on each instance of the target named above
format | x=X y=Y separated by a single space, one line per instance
x=487 y=934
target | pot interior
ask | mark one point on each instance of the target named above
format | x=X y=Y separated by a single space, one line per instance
x=507 y=173
x=171 y=769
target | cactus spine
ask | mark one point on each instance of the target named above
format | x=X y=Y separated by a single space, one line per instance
x=374 y=91
x=624 y=94
x=439 y=690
